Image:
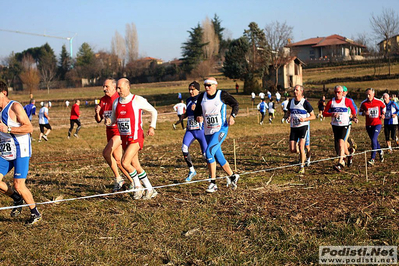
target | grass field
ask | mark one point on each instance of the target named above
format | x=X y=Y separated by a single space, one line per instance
x=275 y=217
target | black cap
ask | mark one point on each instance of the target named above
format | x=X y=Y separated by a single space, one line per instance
x=195 y=85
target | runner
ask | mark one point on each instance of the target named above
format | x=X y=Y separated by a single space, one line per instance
x=271 y=110
x=337 y=109
x=112 y=152
x=374 y=110
x=350 y=144
x=212 y=106
x=74 y=119
x=126 y=112
x=300 y=112
x=195 y=130
x=180 y=108
x=44 y=122
x=321 y=105
x=262 y=107
x=16 y=150
x=284 y=106
x=390 y=121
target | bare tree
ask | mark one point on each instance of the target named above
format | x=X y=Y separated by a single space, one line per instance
x=132 y=43
x=118 y=48
x=210 y=38
x=278 y=35
x=385 y=26
x=30 y=75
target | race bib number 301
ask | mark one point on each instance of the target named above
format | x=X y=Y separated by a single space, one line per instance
x=124 y=126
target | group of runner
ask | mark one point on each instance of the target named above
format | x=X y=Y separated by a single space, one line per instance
x=343 y=111
x=207 y=122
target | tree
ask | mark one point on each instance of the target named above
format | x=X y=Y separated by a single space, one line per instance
x=258 y=57
x=278 y=35
x=30 y=75
x=236 y=65
x=193 y=53
x=86 y=63
x=248 y=58
x=65 y=63
x=47 y=65
x=132 y=43
x=210 y=38
x=118 y=48
x=385 y=27
x=220 y=33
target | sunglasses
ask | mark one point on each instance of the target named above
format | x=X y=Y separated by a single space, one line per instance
x=207 y=85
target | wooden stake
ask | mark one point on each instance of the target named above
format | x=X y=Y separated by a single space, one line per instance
x=365 y=161
x=235 y=158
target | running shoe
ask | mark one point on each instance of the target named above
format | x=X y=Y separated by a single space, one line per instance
x=371 y=162
x=34 y=218
x=233 y=180
x=190 y=176
x=45 y=138
x=75 y=135
x=118 y=185
x=350 y=160
x=174 y=126
x=261 y=123
x=352 y=143
x=338 y=167
x=138 y=194
x=149 y=194
x=212 y=188
x=382 y=156
x=301 y=170
x=307 y=163
x=17 y=211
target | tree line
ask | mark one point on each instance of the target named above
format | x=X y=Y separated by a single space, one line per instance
x=249 y=58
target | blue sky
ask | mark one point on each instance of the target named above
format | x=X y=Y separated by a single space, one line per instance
x=162 y=25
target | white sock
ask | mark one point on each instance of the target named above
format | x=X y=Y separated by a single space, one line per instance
x=192 y=169
x=143 y=178
x=135 y=177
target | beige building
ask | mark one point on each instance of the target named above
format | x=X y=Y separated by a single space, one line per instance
x=393 y=45
x=331 y=48
x=289 y=74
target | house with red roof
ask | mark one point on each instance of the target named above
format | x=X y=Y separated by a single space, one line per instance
x=331 y=48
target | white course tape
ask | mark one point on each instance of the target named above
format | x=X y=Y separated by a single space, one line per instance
x=186 y=183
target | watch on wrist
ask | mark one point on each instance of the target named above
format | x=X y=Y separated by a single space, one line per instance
x=8 y=130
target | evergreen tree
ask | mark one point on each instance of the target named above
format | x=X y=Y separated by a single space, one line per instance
x=65 y=63
x=248 y=58
x=192 y=49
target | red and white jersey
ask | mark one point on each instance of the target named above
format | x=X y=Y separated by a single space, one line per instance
x=106 y=110
x=339 y=107
x=375 y=107
x=127 y=114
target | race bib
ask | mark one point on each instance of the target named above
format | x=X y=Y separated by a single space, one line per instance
x=295 y=121
x=6 y=149
x=338 y=119
x=212 y=121
x=192 y=124
x=124 y=126
x=388 y=114
x=107 y=114
x=373 y=112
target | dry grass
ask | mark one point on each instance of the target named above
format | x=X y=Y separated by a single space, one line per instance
x=274 y=217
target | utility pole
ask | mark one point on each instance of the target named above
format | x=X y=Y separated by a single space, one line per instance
x=70 y=39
